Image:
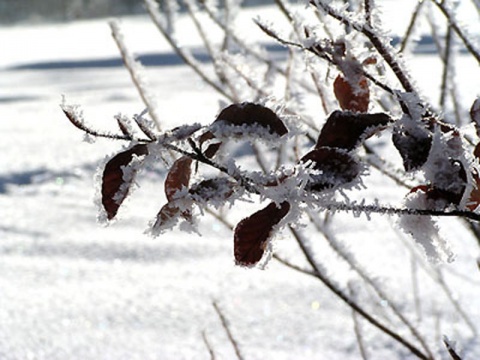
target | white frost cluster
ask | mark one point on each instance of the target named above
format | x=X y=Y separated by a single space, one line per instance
x=245 y=132
x=424 y=229
x=445 y=161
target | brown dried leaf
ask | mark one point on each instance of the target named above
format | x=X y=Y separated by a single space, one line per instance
x=143 y=125
x=115 y=182
x=346 y=130
x=414 y=147
x=475 y=115
x=123 y=127
x=74 y=118
x=474 y=199
x=434 y=193
x=213 y=189
x=337 y=167
x=354 y=97
x=212 y=149
x=168 y=216
x=252 y=114
x=252 y=233
x=476 y=151
x=178 y=177
x=371 y=60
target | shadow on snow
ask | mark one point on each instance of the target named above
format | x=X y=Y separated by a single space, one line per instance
x=424 y=45
x=152 y=59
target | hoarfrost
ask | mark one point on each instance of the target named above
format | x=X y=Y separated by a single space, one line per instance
x=424 y=230
x=137 y=72
x=445 y=166
x=475 y=114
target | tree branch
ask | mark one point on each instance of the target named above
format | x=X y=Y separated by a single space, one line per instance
x=451 y=21
x=350 y=302
x=368 y=209
x=379 y=45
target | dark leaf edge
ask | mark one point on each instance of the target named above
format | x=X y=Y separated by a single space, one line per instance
x=115 y=185
x=252 y=234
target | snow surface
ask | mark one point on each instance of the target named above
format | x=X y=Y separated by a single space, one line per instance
x=72 y=289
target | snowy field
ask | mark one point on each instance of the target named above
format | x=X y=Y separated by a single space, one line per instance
x=71 y=288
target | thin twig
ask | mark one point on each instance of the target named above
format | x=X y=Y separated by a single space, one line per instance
x=248 y=49
x=446 y=67
x=466 y=41
x=320 y=91
x=322 y=55
x=367 y=4
x=220 y=218
x=382 y=48
x=293 y=266
x=350 y=259
x=451 y=351
x=384 y=167
x=211 y=51
x=455 y=303
x=133 y=68
x=228 y=331
x=411 y=26
x=415 y=287
x=366 y=209
x=76 y=118
x=433 y=273
x=209 y=346
x=357 y=329
x=186 y=58
x=350 y=302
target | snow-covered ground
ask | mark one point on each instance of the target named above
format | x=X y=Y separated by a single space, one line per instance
x=73 y=289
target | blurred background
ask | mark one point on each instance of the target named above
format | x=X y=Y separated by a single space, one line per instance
x=15 y=11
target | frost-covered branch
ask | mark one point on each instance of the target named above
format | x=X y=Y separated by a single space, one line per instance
x=328 y=282
x=152 y=8
x=136 y=72
x=362 y=209
x=271 y=147
x=383 y=48
x=226 y=326
x=411 y=25
x=343 y=252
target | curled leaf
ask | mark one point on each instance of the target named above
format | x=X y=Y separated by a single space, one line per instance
x=435 y=194
x=413 y=143
x=474 y=198
x=118 y=176
x=168 y=216
x=335 y=167
x=184 y=132
x=476 y=151
x=352 y=95
x=346 y=130
x=475 y=115
x=75 y=115
x=212 y=146
x=252 y=233
x=178 y=177
x=252 y=114
x=216 y=189
x=124 y=127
